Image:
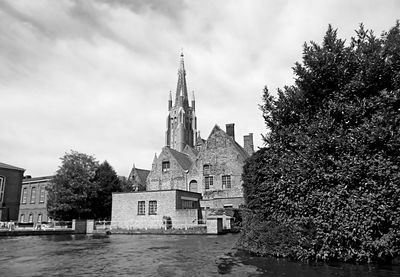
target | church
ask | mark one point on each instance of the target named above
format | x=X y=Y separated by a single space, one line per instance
x=202 y=175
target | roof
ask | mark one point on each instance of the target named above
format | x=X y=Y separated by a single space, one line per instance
x=183 y=160
x=239 y=148
x=7 y=166
x=37 y=179
x=142 y=173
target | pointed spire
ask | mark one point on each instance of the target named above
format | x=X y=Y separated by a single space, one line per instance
x=155 y=159
x=193 y=95
x=181 y=89
x=170 y=95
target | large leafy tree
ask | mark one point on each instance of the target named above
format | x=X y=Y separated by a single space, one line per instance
x=73 y=191
x=327 y=184
x=107 y=182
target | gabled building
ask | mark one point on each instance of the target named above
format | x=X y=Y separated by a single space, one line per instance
x=10 y=190
x=207 y=170
x=138 y=178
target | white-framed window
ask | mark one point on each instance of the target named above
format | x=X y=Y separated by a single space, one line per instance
x=208 y=181
x=226 y=181
x=33 y=195
x=24 y=195
x=22 y=218
x=2 y=187
x=39 y=218
x=30 y=220
x=152 y=207
x=165 y=166
x=141 y=208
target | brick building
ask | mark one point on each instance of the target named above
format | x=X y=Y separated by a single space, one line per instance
x=33 y=200
x=211 y=167
x=10 y=190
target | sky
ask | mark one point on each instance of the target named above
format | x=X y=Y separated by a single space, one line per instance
x=94 y=76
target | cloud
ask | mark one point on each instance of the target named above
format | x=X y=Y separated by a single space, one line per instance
x=94 y=76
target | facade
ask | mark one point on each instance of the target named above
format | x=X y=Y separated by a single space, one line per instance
x=155 y=209
x=10 y=190
x=206 y=169
x=33 y=201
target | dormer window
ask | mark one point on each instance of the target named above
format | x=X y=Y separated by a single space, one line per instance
x=165 y=166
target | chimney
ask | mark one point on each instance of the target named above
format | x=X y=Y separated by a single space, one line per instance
x=230 y=130
x=248 y=144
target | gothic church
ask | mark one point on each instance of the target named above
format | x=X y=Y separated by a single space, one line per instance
x=212 y=167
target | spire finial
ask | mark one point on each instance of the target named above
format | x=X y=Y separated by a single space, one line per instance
x=170 y=95
x=182 y=52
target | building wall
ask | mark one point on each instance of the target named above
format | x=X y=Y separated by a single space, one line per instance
x=169 y=203
x=33 y=204
x=224 y=159
x=9 y=207
x=174 y=178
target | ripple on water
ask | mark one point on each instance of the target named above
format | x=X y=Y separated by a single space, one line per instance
x=154 y=255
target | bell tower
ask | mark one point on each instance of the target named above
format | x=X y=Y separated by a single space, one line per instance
x=181 y=119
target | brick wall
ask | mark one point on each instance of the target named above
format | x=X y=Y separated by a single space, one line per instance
x=34 y=206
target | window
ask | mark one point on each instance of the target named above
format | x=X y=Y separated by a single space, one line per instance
x=208 y=182
x=24 y=195
x=226 y=181
x=22 y=218
x=39 y=218
x=153 y=207
x=141 y=208
x=30 y=218
x=33 y=195
x=188 y=204
x=165 y=166
x=42 y=194
x=2 y=187
x=206 y=169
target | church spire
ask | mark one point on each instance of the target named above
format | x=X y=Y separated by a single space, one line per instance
x=181 y=97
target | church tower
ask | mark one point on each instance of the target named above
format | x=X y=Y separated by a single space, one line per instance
x=181 y=119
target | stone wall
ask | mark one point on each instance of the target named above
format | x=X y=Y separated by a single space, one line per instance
x=174 y=178
x=125 y=209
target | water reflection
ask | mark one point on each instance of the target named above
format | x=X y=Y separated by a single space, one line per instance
x=153 y=255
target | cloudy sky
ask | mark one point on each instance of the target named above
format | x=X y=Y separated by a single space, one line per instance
x=94 y=76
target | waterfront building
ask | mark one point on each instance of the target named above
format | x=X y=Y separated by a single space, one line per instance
x=33 y=201
x=10 y=190
x=211 y=167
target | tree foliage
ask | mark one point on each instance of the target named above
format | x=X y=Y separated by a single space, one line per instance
x=329 y=174
x=82 y=188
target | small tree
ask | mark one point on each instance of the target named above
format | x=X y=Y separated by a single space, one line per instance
x=73 y=190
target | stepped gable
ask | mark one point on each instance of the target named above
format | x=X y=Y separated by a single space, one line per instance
x=183 y=159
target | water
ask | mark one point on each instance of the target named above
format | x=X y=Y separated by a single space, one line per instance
x=155 y=255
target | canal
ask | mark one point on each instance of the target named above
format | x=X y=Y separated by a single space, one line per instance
x=155 y=255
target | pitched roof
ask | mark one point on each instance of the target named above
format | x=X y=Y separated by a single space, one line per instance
x=7 y=166
x=183 y=160
x=190 y=151
x=239 y=148
x=142 y=173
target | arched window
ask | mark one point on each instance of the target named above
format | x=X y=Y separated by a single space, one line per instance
x=30 y=218
x=193 y=186
x=39 y=219
x=22 y=218
x=206 y=169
